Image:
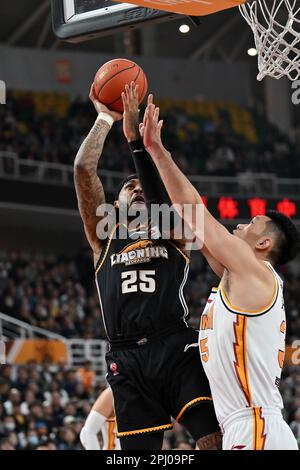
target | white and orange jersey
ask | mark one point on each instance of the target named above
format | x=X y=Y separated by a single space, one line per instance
x=242 y=354
x=109 y=435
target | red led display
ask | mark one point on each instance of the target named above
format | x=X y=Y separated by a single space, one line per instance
x=257 y=206
x=242 y=208
x=287 y=207
x=228 y=208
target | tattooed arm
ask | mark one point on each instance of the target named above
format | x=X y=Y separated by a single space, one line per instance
x=89 y=189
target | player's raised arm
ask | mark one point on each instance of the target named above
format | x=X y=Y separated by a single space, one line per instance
x=152 y=185
x=89 y=189
x=227 y=250
x=153 y=188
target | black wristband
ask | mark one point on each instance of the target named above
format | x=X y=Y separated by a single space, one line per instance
x=153 y=187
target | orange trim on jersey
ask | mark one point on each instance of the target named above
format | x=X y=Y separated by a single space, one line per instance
x=190 y=403
x=282 y=327
x=111 y=434
x=187 y=259
x=107 y=247
x=240 y=352
x=207 y=319
x=259 y=438
x=142 y=431
x=137 y=245
x=265 y=309
x=281 y=355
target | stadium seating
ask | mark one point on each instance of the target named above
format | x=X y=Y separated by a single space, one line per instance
x=215 y=138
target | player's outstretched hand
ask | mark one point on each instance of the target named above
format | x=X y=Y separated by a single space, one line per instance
x=130 y=100
x=101 y=108
x=150 y=128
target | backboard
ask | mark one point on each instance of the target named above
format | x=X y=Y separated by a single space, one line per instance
x=190 y=7
x=80 y=20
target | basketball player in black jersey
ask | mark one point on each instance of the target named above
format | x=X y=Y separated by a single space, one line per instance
x=153 y=362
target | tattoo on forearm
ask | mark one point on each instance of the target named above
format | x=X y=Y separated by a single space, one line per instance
x=210 y=442
x=89 y=189
x=92 y=146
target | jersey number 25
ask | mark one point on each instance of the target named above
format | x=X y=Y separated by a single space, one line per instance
x=134 y=281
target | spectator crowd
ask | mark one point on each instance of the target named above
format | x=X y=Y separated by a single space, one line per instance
x=44 y=406
x=201 y=143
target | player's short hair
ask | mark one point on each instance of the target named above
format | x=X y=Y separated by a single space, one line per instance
x=287 y=245
x=134 y=176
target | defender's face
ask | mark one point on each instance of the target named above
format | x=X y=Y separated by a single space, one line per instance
x=251 y=232
x=132 y=195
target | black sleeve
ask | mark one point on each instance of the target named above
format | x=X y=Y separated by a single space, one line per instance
x=151 y=182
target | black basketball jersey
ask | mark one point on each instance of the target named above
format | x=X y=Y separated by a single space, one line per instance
x=140 y=283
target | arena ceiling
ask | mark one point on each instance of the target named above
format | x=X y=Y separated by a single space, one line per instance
x=224 y=36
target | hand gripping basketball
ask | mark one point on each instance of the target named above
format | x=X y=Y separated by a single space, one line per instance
x=101 y=108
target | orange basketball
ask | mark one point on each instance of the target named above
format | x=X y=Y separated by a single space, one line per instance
x=111 y=78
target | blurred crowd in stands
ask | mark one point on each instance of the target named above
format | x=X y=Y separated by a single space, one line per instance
x=217 y=139
x=56 y=294
x=45 y=405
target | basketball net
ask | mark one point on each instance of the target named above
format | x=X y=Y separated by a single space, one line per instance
x=276 y=28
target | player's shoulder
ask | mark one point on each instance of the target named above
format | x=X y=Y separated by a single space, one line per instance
x=260 y=271
x=266 y=272
x=181 y=248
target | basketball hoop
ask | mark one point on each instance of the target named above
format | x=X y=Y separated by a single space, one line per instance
x=276 y=28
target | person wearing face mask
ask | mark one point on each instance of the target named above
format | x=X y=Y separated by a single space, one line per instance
x=32 y=439
x=14 y=398
x=9 y=424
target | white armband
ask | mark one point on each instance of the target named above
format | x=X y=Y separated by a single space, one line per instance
x=105 y=117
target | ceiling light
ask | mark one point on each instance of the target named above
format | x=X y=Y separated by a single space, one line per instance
x=184 y=28
x=252 y=52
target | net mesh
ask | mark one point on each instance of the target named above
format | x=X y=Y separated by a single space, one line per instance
x=276 y=28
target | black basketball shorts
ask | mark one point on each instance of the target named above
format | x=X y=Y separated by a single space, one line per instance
x=161 y=379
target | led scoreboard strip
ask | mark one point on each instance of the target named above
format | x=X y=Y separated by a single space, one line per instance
x=227 y=208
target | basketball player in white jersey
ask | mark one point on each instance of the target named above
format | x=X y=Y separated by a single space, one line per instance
x=101 y=419
x=242 y=332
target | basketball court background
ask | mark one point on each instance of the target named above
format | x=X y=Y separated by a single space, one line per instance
x=237 y=138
